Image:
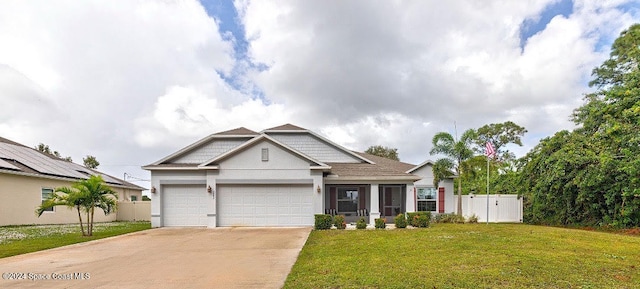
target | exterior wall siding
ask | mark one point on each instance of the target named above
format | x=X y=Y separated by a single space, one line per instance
x=248 y=164
x=449 y=195
x=21 y=195
x=207 y=151
x=426 y=172
x=314 y=147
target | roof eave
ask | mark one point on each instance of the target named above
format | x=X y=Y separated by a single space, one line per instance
x=373 y=178
x=178 y=168
x=68 y=179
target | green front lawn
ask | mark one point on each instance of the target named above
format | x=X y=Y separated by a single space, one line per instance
x=16 y=240
x=468 y=256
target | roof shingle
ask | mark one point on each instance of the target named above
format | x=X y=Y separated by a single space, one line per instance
x=287 y=126
x=383 y=167
x=238 y=131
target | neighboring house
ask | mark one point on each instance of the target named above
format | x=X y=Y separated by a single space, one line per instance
x=28 y=176
x=282 y=176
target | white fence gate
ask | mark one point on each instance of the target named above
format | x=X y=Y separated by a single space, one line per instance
x=502 y=208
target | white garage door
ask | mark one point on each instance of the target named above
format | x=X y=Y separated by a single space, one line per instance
x=184 y=205
x=265 y=205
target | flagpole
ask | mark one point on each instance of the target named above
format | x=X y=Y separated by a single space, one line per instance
x=489 y=152
x=487 y=190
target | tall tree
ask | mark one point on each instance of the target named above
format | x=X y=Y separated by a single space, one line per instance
x=45 y=149
x=590 y=175
x=85 y=196
x=90 y=162
x=499 y=134
x=455 y=153
x=382 y=151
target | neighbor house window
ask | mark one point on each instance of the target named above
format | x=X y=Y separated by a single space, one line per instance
x=134 y=198
x=347 y=200
x=426 y=199
x=265 y=154
x=46 y=194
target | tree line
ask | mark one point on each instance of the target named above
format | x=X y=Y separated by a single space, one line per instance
x=589 y=176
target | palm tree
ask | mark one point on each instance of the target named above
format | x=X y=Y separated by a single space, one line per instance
x=455 y=153
x=86 y=195
x=97 y=194
x=70 y=198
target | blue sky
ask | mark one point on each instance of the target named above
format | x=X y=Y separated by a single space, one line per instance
x=532 y=26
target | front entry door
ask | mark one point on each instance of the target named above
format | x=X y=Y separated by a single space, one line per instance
x=392 y=200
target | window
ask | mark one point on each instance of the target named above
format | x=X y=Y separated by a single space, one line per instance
x=134 y=198
x=265 y=154
x=347 y=200
x=427 y=199
x=46 y=194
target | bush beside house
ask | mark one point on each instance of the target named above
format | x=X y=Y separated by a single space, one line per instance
x=401 y=221
x=323 y=222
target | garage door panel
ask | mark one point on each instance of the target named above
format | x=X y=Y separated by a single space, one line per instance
x=266 y=205
x=184 y=206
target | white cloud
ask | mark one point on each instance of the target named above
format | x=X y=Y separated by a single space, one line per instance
x=344 y=64
x=131 y=82
x=76 y=75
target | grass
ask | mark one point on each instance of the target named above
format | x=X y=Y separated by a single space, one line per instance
x=16 y=240
x=468 y=256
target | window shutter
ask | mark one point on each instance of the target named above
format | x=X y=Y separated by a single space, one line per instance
x=441 y=200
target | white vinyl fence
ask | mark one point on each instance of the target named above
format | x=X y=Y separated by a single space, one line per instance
x=502 y=208
x=134 y=211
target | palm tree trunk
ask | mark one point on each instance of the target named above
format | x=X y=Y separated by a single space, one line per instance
x=92 y=211
x=459 y=195
x=88 y=224
x=80 y=219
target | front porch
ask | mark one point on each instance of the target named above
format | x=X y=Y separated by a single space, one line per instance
x=370 y=201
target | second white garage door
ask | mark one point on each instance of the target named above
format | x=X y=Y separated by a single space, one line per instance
x=265 y=205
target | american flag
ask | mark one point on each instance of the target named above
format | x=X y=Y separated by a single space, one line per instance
x=489 y=151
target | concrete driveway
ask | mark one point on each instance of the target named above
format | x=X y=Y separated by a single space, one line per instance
x=164 y=258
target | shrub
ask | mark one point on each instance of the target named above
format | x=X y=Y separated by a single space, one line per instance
x=400 y=221
x=473 y=219
x=323 y=222
x=419 y=219
x=449 y=218
x=361 y=224
x=381 y=223
x=423 y=221
x=339 y=222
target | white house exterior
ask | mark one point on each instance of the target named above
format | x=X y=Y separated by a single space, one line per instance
x=282 y=176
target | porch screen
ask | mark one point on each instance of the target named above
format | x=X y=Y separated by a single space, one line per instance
x=363 y=202
x=347 y=200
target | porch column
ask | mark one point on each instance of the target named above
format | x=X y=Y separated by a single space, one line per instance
x=375 y=204
x=410 y=204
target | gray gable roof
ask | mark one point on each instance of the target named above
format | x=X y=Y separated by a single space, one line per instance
x=381 y=168
x=321 y=152
x=287 y=127
x=238 y=131
x=16 y=158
